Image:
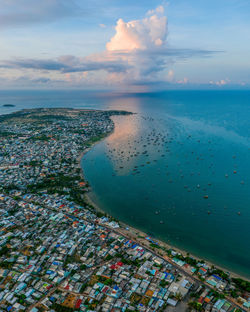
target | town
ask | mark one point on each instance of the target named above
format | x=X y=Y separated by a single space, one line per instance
x=59 y=254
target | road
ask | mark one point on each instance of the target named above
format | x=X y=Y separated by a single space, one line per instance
x=165 y=258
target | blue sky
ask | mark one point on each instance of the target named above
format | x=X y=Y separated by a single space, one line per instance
x=124 y=44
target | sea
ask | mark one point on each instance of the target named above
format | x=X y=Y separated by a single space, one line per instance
x=177 y=169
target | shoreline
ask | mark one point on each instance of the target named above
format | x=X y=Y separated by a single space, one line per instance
x=58 y=205
x=135 y=232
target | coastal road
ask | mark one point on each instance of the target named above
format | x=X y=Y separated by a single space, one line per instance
x=122 y=232
x=178 y=268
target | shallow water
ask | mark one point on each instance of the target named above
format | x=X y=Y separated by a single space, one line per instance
x=156 y=168
x=179 y=170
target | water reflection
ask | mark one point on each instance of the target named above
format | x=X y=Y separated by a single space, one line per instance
x=176 y=177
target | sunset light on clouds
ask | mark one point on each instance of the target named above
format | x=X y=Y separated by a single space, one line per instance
x=148 y=33
x=124 y=155
x=153 y=47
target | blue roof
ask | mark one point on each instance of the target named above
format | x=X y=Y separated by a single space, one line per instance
x=219 y=278
x=167 y=274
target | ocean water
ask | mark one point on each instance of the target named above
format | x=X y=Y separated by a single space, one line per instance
x=178 y=169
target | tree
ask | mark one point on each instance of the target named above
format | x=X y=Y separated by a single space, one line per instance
x=108 y=282
x=179 y=296
x=195 y=305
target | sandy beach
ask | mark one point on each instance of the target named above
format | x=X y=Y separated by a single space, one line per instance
x=140 y=237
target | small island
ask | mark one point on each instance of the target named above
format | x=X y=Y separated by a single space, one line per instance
x=9 y=105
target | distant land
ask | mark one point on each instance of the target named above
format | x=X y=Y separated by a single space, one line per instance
x=9 y=105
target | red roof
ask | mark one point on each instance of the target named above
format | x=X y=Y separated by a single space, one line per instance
x=105 y=289
x=78 y=303
x=200 y=300
x=204 y=270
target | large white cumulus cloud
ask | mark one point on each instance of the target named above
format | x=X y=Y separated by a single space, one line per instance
x=148 y=33
x=140 y=43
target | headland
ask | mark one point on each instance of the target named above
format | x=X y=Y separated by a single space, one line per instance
x=57 y=244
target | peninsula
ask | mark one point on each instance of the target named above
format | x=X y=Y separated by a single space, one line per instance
x=58 y=253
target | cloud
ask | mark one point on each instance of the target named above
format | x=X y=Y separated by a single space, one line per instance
x=143 y=44
x=170 y=75
x=220 y=83
x=25 y=81
x=160 y=9
x=148 y=33
x=15 y=13
x=137 y=53
x=183 y=81
x=121 y=67
x=66 y=64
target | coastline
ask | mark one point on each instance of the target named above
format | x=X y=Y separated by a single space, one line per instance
x=138 y=235
x=135 y=232
x=60 y=204
x=60 y=201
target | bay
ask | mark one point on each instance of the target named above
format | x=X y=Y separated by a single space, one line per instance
x=179 y=168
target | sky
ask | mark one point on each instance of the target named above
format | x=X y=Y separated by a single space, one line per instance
x=126 y=45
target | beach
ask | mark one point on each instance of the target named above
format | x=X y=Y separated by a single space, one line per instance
x=139 y=236
x=92 y=248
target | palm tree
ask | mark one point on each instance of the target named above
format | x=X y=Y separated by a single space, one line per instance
x=179 y=296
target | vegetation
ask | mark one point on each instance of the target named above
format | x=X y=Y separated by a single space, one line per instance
x=163 y=283
x=6 y=265
x=83 y=267
x=108 y=282
x=40 y=138
x=109 y=257
x=188 y=259
x=217 y=294
x=83 y=287
x=241 y=284
x=95 y=139
x=4 y=251
x=152 y=245
x=6 y=134
x=195 y=305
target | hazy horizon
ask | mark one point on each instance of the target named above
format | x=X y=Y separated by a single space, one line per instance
x=130 y=46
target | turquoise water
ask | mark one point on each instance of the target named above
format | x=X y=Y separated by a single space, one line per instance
x=159 y=164
x=178 y=169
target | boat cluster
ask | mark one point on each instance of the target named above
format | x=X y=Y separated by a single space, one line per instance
x=180 y=158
